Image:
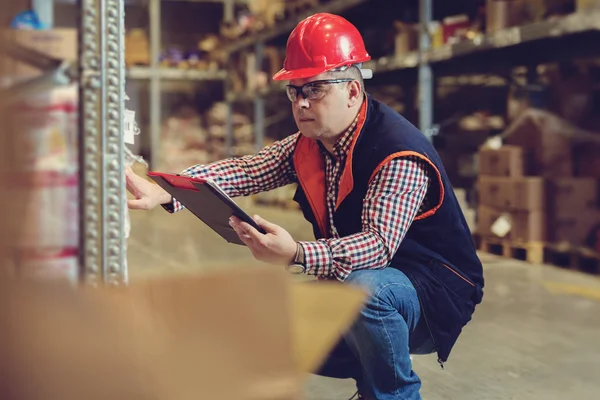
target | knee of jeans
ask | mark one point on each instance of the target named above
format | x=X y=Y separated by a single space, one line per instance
x=385 y=287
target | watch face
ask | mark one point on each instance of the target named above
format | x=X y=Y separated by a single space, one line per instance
x=296 y=268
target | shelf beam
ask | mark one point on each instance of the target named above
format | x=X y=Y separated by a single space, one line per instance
x=552 y=29
x=175 y=74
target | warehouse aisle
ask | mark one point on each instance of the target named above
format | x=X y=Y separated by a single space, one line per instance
x=534 y=337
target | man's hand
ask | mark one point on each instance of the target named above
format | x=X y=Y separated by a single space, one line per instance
x=276 y=247
x=147 y=194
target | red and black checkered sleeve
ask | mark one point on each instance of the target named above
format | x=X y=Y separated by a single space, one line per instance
x=393 y=199
x=243 y=176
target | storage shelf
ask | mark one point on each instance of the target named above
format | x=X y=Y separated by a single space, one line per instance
x=176 y=74
x=246 y=97
x=554 y=28
x=285 y=27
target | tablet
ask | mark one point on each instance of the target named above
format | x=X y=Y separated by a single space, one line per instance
x=207 y=201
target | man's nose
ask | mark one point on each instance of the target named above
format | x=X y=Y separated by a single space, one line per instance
x=301 y=102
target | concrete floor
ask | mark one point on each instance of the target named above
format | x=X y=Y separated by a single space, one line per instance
x=535 y=336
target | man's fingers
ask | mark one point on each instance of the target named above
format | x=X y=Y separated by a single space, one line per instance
x=246 y=232
x=269 y=227
x=138 y=204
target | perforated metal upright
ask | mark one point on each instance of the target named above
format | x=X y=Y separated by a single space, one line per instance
x=102 y=189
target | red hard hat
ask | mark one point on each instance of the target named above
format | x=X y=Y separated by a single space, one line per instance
x=320 y=43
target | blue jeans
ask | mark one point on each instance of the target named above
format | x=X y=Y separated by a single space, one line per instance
x=376 y=350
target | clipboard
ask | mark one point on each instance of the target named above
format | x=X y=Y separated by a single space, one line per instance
x=207 y=201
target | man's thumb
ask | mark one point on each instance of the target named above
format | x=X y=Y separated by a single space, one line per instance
x=266 y=225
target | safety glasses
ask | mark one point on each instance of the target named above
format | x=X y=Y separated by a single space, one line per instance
x=314 y=90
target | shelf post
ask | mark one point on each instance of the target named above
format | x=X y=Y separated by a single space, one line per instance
x=155 y=117
x=229 y=11
x=425 y=89
x=259 y=102
x=101 y=147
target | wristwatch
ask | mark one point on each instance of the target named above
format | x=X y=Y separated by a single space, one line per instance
x=298 y=264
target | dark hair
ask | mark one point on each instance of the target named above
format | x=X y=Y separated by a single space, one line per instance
x=353 y=72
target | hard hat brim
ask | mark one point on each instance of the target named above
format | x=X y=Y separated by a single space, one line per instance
x=284 y=75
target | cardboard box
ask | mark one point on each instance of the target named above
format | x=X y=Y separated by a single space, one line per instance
x=493 y=192
x=521 y=226
x=168 y=339
x=407 y=38
x=546 y=143
x=61 y=43
x=502 y=14
x=587 y=5
x=137 y=47
x=575 y=227
x=571 y=195
x=527 y=194
x=587 y=160
x=529 y=226
x=506 y=161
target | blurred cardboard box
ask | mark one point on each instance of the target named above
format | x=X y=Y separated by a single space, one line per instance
x=60 y=43
x=574 y=227
x=587 y=5
x=521 y=193
x=527 y=194
x=244 y=335
x=493 y=191
x=587 y=160
x=406 y=39
x=502 y=14
x=546 y=142
x=505 y=161
x=570 y=195
x=523 y=226
x=137 y=47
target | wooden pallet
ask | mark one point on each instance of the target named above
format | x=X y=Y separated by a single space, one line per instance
x=532 y=252
x=561 y=255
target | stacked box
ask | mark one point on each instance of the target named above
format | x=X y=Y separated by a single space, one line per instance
x=533 y=208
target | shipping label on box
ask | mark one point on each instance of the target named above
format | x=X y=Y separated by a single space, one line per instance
x=505 y=161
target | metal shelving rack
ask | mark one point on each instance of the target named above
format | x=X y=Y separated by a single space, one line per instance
x=101 y=75
x=156 y=74
x=555 y=39
x=283 y=28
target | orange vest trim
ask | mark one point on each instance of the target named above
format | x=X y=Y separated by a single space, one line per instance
x=347 y=179
x=310 y=170
x=389 y=158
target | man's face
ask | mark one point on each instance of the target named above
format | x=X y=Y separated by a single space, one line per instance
x=324 y=112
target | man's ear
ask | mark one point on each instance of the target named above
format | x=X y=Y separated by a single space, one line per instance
x=354 y=93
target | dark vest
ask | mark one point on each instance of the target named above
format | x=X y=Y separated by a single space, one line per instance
x=437 y=254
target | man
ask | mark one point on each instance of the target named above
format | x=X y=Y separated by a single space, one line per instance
x=381 y=205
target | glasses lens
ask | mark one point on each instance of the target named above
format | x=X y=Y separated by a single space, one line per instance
x=291 y=93
x=314 y=92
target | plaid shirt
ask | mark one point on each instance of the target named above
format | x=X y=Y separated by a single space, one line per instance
x=395 y=196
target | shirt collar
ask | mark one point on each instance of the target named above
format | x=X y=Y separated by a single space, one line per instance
x=342 y=146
